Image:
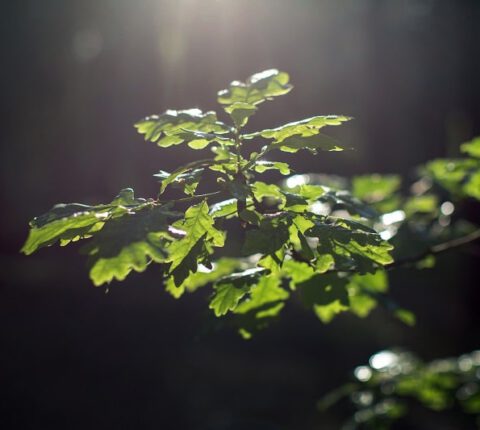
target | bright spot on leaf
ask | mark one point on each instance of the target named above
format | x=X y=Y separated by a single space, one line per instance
x=297 y=180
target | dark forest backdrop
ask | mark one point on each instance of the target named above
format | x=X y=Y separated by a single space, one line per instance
x=75 y=76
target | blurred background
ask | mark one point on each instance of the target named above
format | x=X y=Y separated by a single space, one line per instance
x=76 y=75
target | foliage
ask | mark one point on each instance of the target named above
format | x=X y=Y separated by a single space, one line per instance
x=328 y=240
x=384 y=389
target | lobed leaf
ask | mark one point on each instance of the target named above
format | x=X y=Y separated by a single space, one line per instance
x=240 y=112
x=197 y=224
x=230 y=289
x=203 y=276
x=74 y=221
x=303 y=128
x=326 y=294
x=314 y=143
x=129 y=243
x=256 y=89
x=262 y=166
x=177 y=126
x=352 y=246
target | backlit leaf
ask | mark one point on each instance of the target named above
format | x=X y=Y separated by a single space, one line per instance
x=197 y=224
x=128 y=243
x=240 y=112
x=230 y=289
x=73 y=221
x=173 y=126
x=256 y=89
x=304 y=128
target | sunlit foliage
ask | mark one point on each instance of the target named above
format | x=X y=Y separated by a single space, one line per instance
x=328 y=240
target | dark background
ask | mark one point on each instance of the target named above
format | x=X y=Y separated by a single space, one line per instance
x=75 y=76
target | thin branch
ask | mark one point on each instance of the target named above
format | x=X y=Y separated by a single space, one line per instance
x=436 y=249
x=433 y=250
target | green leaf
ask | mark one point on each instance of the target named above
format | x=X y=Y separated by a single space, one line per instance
x=204 y=276
x=198 y=253
x=344 y=200
x=363 y=291
x=427 y=203
x=200 y=139
x=471 y=148
x=375 y=188
x=264 y=297
x=351 y=245
x=297 y=272
x=190 y=171
x=226 y=298
x=229 y=290
x=262 y=166
x=197 y=224
x=178 y=126
x=240 y=112
x=74 y=221
x=315 y=143
x=128 y=243
x=262 y=190
x=256 y=89
x=187 y=181
x=271 y=236
x=225 y=208
x=304 y=128
x=326 y=293
x=472 y=187
x=452 y=174
x=310 y=192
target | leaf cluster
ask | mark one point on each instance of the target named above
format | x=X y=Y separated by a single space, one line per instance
x=326 y=240
x=384 y=390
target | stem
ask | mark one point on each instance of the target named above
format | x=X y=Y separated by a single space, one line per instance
x=437 y=249
x=259 y=155
x=194 y=197
x=238 y=149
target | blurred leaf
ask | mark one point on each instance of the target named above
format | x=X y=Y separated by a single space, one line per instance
x=362 y=291
x=472 y=187
x=378 y=190
x=427 y=203
x=326 y=293
x=344 y=200
x=471 y=148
